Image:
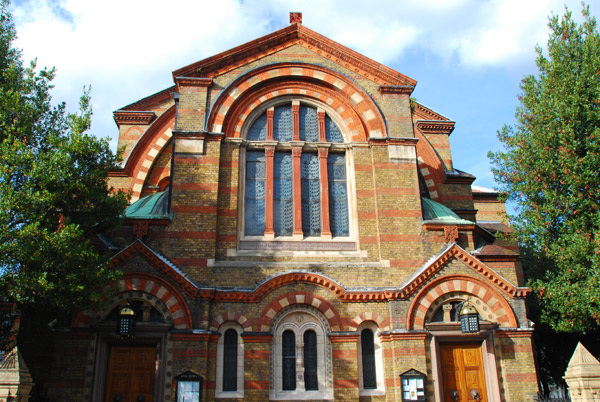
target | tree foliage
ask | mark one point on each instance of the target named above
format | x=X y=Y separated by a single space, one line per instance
x=53 y=193
x=550 y=167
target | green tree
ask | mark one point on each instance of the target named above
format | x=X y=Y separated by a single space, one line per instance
x=54 y=198
x=550 y=167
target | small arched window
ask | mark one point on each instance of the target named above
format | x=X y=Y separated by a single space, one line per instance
x=230 y=362
x=288 y=363
x=370 y=361
x=311 y=382
x=301 y=365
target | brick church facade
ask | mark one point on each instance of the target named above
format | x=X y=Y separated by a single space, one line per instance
x=298 y=231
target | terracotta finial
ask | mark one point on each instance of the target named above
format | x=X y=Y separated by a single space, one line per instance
x=295 y=18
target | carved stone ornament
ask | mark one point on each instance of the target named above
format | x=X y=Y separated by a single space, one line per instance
x=295 y=18
x=140 y=229
x=451 y=233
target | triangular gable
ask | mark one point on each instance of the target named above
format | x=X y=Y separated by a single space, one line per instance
x=158 y=261
x=434 y=265
x=288 y=36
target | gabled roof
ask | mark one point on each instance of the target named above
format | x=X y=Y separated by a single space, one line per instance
x=288 y=36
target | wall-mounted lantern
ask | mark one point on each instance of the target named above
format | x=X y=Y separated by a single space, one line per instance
x=413 y=385
x=126 y=322
x=189 y=387
x=469 y=318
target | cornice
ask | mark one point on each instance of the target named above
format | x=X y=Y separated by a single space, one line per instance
x=435 y=126
x=396 y=89
x=133 y=117
x=198 y=82
x=383 y=295
x=411 y=141
x=462 y=178
x=198 y=135
x=403 y=336
x=469 y=227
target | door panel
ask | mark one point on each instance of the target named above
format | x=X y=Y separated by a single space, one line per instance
x=131 y=372
x=462 y=372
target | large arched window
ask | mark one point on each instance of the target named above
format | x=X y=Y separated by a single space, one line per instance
x=302 y=361
x=230 y=362
x=295 y=182
x=370 y=361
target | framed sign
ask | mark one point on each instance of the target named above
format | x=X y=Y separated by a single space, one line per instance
x=413 y=385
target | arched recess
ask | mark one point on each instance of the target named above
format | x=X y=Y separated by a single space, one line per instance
x=297 y=79
x=299 y=299
x=460 y=284
x=164 y=297
x=147 y=150
x=430 y=165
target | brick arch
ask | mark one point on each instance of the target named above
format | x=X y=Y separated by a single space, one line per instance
x=299 y=298
x=229 y=316
x=461 y=284
x=141 y=283
x=382 y=322
x=299 y=277
x=430 y=165
x=147 y=149
x=324 y=84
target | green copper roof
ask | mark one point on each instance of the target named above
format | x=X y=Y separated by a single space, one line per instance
x=434 y=211
x=153 y=206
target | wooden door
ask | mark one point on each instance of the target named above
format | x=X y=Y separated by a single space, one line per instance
x=130 y=375
x=462 y=372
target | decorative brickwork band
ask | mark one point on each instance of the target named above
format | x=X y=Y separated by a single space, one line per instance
x=235 y=317
x=299 y=298
x=382 y=322
x=257 y=86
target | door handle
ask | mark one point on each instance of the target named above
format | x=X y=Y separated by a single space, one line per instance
x=454 y=395
x=475 y=395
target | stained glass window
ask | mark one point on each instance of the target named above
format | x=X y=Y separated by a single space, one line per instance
x=283 y=197
x=288 y=355
x=311 y=195
x=309 y=124
x=332 y=132
x=338 y=195
x=311 y=382
x=254 y=213
x=368 y=359
x=282 y=185
x=258 y=130
x=282 y=123
x=230 y=360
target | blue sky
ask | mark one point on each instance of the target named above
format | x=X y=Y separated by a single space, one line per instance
x=468 y=56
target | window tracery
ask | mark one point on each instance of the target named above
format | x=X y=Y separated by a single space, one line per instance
x=295 y=181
